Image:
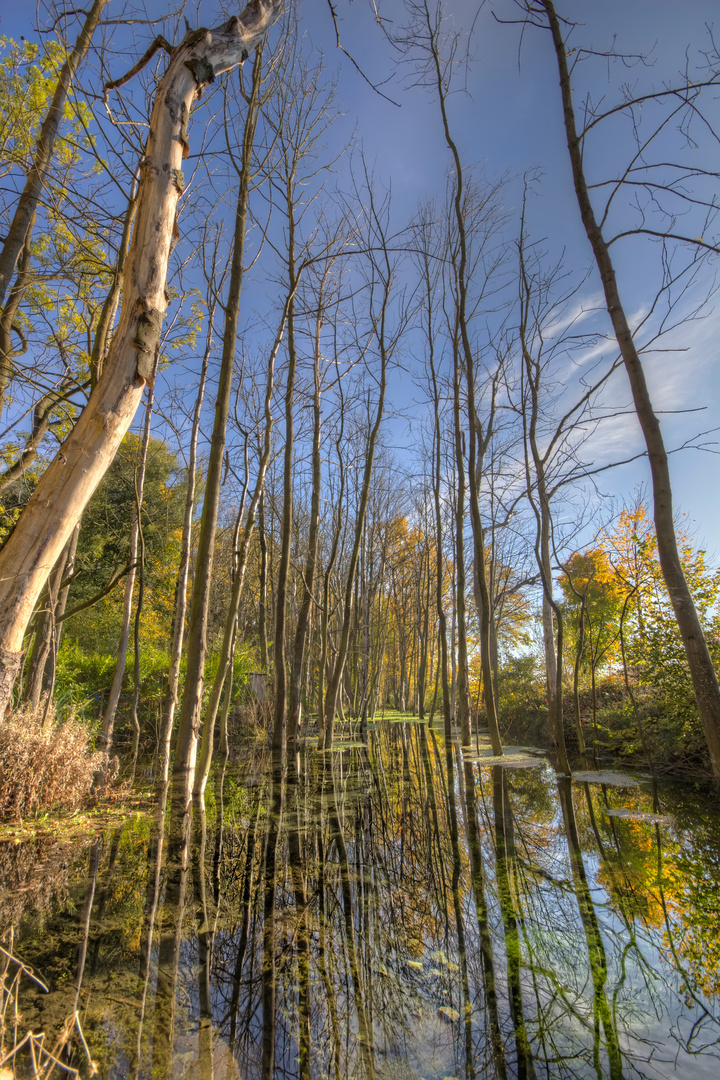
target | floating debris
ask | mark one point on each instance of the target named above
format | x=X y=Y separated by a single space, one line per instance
x=640 y=815
x=343 y=744
x=446 y=1012
x=508 y=760
x=606 y=776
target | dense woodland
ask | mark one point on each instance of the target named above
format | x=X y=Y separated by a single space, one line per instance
x=280 y=457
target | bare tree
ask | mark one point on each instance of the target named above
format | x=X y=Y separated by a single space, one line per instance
x=382 y=340
x=682 y=100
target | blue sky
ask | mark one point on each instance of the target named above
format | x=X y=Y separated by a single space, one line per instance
x=508 y=122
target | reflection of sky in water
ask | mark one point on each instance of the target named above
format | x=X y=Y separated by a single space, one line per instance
x=388 y=938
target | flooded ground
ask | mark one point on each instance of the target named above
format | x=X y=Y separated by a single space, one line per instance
x=394 y=909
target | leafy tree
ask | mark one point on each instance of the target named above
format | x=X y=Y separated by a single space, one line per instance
x=103 y=543
x=655 y=652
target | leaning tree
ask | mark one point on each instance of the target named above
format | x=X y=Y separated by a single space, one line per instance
x=65 y=488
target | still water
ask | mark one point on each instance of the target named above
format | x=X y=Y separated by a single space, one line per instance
x=391 y=909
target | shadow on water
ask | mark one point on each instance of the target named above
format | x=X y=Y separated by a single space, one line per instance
x=392 y=910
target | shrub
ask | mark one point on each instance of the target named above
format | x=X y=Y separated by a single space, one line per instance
x=44 y=766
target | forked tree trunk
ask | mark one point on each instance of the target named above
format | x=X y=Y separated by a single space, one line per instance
x=702 y=671
x=64 y=490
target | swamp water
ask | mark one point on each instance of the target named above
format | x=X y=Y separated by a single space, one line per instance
x=394 y=910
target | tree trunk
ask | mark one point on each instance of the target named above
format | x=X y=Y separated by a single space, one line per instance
x=325 y=618
x=112 y=703
x=311 y=560
x=263 y=575
x=576 y=681
x=65 y=488
x=243 y=552
x=463 y=688
x=331 y=699
x=463 y=349
x=482 y=593
x=439 y=568
x=7 y=321
x=51 y=665
x=189 y=722
x=28 y=202
x=171 y=694
x=702 y=671
x=43 y=640
x=279 y=657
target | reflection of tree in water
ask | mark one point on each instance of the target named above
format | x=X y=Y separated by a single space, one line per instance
x=387 y=911
x=34 y=876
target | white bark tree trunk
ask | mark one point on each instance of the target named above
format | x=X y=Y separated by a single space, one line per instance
x=63 y=492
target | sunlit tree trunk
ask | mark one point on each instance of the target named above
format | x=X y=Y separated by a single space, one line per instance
x=463 y=688
x=243 y=553
x=327 y=576
x=44 y=632
x=181 y=583
x=135 y=530
x=333 y=692
x=189 y=721
x=281 y=584
x=66 y=486
x=295 y=695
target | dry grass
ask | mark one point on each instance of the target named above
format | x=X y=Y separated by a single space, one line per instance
x=44 y=766
x=29 y=1052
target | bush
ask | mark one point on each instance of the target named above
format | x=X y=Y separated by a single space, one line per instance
x=82 y=680
x=44 y=766
x=522 y=706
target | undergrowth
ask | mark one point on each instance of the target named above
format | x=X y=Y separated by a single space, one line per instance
x=45 y=764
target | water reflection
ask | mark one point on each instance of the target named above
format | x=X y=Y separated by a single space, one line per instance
x=392 y=910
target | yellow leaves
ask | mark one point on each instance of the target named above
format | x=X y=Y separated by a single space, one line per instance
x=27 y=83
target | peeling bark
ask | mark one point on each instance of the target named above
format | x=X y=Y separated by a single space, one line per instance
x=67 y=485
